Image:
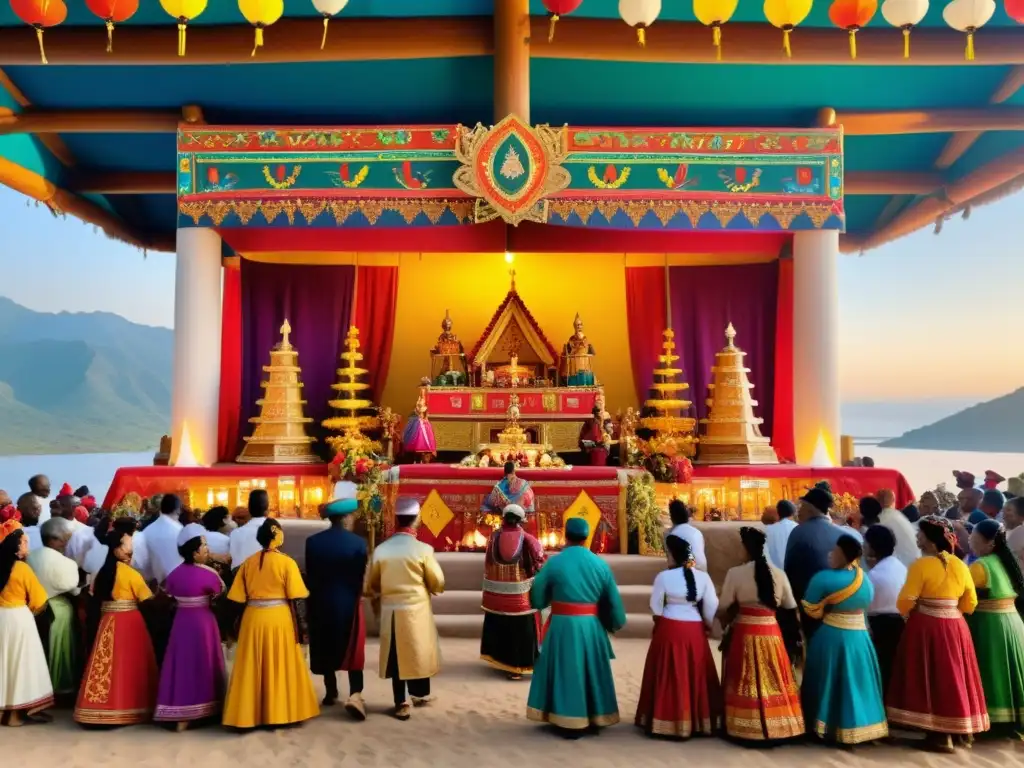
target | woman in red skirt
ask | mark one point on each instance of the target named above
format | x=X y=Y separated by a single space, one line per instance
x=680 y=695
x=936 y=685
x=762 y=701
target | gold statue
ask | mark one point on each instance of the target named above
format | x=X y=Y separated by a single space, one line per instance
x=664 y=426
x=577 y=356
x=448 y=358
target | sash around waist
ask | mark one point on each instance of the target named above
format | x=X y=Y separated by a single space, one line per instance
x=119 y=606
x=756 y=615
x=573 y=609
x=265 y=603
x=193 y=602
x=939 y=608
x=841 y=620
x=997 y=605
x=508 y=587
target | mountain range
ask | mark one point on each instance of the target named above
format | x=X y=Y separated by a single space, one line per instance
x=993 y=426
x=81 y=382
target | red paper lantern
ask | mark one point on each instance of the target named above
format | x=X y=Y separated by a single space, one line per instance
x=1015 y=10
x=851 y=15
x=112 y=12
x=40 y=14
x=557 y=9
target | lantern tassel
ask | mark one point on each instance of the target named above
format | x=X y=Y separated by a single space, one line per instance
x=182 y=26
x=853 y=42
x=323 y=40
x=551 y=27
x=969 y=53
x=110 y=35
x=42 y=48
x=716 y=40
x=785 y=41
x=906 y=42
x=641 y=36
x=259 y=39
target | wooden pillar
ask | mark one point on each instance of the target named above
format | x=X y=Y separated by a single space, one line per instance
x=512 y=59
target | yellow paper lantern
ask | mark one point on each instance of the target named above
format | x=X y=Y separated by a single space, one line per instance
x=184 y=11
x=261 y=14
x=786 y=14
x=715 y=13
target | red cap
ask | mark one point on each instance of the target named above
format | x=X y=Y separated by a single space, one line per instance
x=66 y=490
x=89 y=502
x=10 y=512
x=81 y=514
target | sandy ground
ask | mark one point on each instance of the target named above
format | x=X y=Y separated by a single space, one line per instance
x=478 y=720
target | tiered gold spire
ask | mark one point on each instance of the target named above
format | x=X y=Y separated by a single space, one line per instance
x=280 y=434
x=732 y=433
x=351 y=401
x=666 y=401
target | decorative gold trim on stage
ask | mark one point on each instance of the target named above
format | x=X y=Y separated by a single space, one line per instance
x=926 y=721
x=853 y=735
x=571 y=723
x=311 y=208
x=666 y=210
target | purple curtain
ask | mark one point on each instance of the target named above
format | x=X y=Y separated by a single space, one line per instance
x=704 y=301
x=317 y=301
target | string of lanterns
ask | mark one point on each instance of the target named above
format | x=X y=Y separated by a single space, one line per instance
x=966 y=16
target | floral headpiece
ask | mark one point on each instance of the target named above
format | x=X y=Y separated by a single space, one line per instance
x=8 y=527
x=278 y=541
x=10 y=512
x=946 y=526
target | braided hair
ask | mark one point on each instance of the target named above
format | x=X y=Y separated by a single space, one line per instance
x=753 y=541
x=682 y=555
x=993 y=531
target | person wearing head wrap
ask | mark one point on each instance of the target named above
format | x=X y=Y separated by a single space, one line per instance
x=936 y=685
x=842 y=685
x=572 y=686
x=763 y=708
x=887 y=574
x=680 y=694
x=192 y=677
x=60 y=628
x=996 y=626
x=511 y=489
x=511 y=639
x=120 y=680
x=26 y=691
x=270 y=683
x=404 y=575
x=778 y=533
x=335 y=571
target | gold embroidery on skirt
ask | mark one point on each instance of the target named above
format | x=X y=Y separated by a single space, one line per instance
x=97 y=685
x=759 y=678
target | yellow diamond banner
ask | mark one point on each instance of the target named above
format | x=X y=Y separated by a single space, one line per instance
x=584 y=507
x=435 y=513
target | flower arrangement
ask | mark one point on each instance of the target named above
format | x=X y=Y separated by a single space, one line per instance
x=366 y=471
x=669 y=469
x=643 y=514
x=545 y=458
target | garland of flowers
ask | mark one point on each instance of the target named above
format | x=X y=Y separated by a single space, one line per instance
x=669 y=469
x=642 y=512
x=365 y=470
x=544 y=459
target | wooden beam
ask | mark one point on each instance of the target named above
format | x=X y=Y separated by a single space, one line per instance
x=512 y=59
x=54 y=144
x=289 y=40
x=886 y=183
x=681 y=42
x=959 y=144
x=903 y=121
x=124 y=182
x=41 y=121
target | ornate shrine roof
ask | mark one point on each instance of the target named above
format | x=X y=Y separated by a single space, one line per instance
x=513 y=310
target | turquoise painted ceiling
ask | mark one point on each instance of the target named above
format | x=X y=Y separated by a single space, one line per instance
x=449 y=90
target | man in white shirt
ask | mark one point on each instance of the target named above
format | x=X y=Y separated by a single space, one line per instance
x=1013 y=519
x=30 y=508
x=906 y=537
x=159 y=542
x=57 y=573
x=243 y=542
x=39 y=485
x=681 y=527
x=887 y=575
x=777 y=534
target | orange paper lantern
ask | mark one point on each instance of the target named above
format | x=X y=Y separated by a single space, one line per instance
x=40 y=14
x=557 y=9
x=851 y=15
x=1015 y=10
x=112 y=12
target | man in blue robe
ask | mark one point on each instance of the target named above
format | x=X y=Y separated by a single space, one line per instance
x=808 y=547
x=335 y=569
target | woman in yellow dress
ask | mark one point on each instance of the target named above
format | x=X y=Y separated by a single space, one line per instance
x=270 y=683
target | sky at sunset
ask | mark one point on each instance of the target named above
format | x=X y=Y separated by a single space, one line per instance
x=924 y=317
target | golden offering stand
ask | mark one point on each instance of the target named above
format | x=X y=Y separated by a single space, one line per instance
x=280 y=434
x=665 y=406
x=732 y=433
x=513 y=440
x=351 y=402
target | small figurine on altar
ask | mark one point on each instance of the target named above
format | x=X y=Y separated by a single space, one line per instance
x=511 y=489
x=595 y=440
x=577 y=358
x=448 y=358
x=418 y=437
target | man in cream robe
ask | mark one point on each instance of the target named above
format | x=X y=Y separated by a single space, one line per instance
x=403 y=576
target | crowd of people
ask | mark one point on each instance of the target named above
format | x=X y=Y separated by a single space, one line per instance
x=834 y=628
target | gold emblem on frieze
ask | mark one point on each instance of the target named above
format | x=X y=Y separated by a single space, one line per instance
x=549 y=401
x=478 y=402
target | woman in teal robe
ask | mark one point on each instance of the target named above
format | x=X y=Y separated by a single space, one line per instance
x=572 y=686
x=842 y=685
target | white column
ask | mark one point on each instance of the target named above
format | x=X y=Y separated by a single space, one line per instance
x=816 y=423
x=195 y=392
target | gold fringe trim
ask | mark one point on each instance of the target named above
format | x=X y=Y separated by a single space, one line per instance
x=666 y=210
x=311 y=208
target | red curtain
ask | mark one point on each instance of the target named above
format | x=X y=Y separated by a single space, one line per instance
x=230 y=365
x=376 y=300
x=645 y=319
x=782 y=431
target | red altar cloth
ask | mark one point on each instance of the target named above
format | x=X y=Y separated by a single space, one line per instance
x=546 y=404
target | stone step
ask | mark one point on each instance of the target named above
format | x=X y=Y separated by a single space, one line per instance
x=636 y=598
x=464 y=570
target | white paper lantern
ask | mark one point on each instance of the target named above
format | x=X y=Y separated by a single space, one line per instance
x=969 y=16
x=905 y=14
x=328 y=8
x=640 y=14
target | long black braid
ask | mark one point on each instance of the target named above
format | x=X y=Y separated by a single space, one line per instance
x=681 y=553
x=993 y=531
x=9 y=555
x=753 y=542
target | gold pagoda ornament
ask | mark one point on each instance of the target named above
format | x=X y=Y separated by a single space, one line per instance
x=351 y=403
x=732 y=434
x=664 y=408
x=280 y=434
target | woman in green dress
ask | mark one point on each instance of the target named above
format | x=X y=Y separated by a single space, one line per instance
x=996 y=626
x=572 y=686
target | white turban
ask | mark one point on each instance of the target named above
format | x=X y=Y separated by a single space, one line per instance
x=407 y=506
x=189 y=532
x=514 y=509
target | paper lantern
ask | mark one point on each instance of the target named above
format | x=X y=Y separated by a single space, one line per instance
x=786 y=14
x=851 y=15
x=327 y=9
x=715 y=13
x=905 y=14
x=261 y=14
x=557 y=9
x=40 y=14
x=640 y=14
x=184 y=11
x=112 y=12
x=969 y=16
x=1015 y=10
